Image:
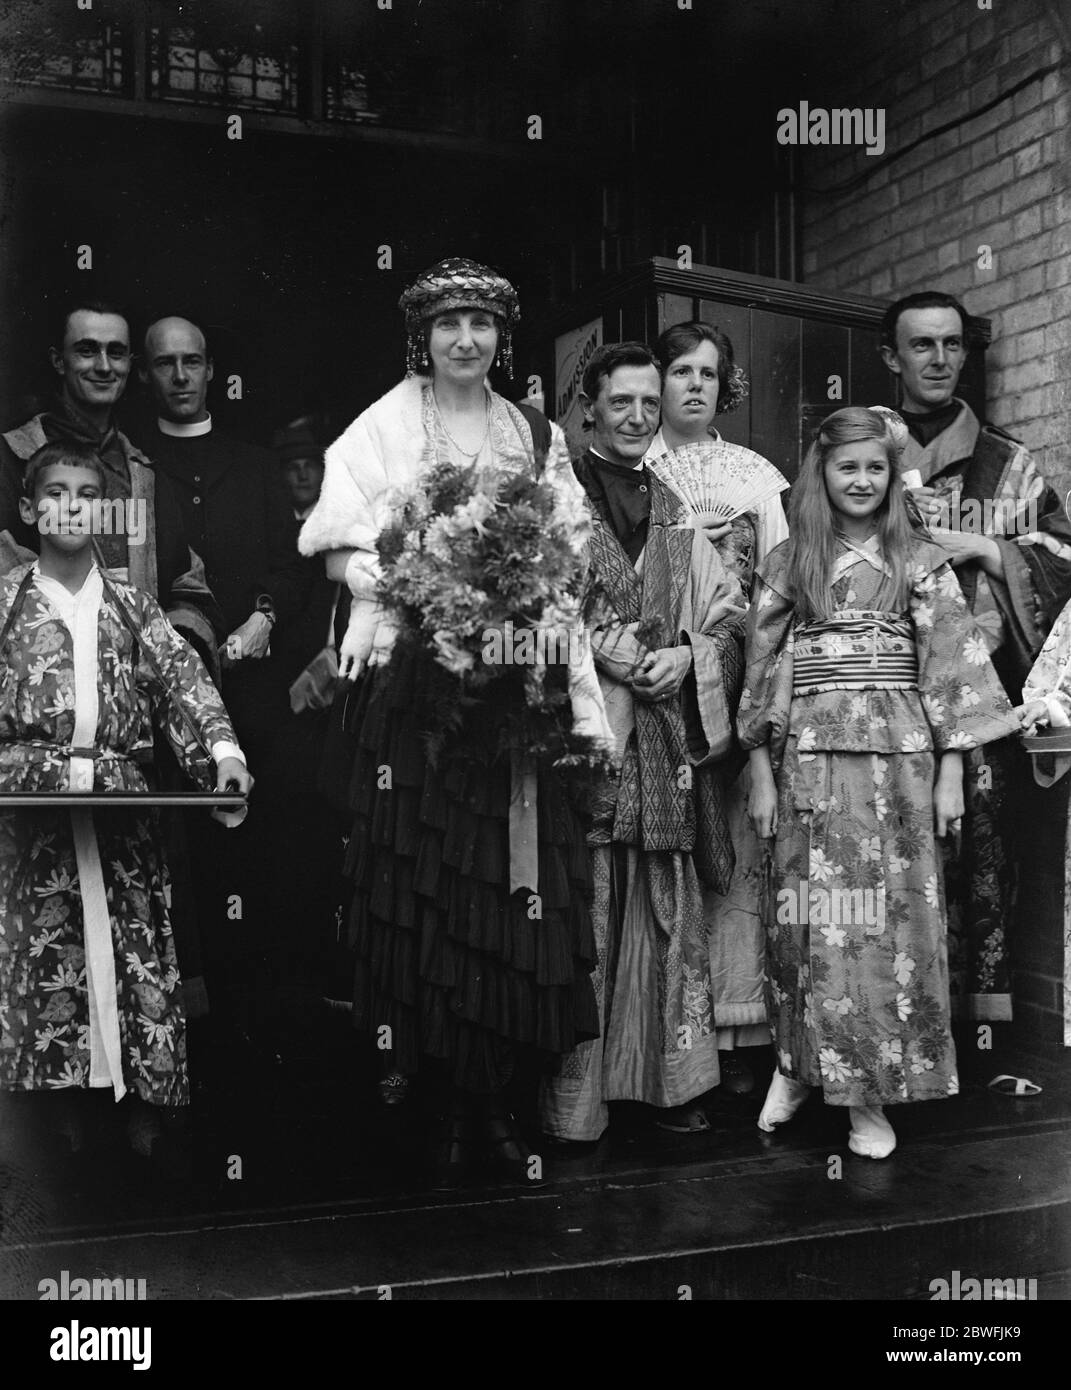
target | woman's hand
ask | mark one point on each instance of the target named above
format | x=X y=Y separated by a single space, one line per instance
x=232 y=775
x=350 y=658
x=386 y=635
x=716 y=530
x=948 y=794
x=661 y=673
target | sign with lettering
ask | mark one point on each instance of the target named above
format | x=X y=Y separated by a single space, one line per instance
x=572 y=353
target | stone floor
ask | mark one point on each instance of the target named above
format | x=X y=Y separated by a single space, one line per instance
x=332 y=1202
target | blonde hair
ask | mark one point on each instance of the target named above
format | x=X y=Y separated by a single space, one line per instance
x=813 y=521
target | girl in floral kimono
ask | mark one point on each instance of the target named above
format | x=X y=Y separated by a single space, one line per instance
x=866 y=681
x=89 y=986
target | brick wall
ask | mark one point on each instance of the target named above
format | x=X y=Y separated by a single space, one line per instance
x=1001 y=179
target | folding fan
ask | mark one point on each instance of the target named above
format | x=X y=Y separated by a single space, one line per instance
x=718 y=481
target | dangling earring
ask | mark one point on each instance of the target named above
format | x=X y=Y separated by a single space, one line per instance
x=504 y=358
x=416 y=354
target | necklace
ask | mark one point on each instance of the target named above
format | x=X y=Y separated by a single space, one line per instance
x=465 y=454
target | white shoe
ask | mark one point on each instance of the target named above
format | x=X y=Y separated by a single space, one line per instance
x=872 y=1135
x=783 y=1099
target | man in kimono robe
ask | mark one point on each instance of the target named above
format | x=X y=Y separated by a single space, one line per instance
x=1015 y=571
x=668 y=653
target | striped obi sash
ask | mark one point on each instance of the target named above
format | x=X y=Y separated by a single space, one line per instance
x=855 y=651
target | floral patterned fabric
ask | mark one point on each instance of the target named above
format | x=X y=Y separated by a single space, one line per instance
x=44 y=1008
x=858 y=988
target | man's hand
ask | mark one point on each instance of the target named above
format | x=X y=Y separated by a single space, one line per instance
x=932 y=509
x=250 y=641
x=661 y=673
x=1030 y=714
x=966 y=546
x=233 y=776
x=762 y=805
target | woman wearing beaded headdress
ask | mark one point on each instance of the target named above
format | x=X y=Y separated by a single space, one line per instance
x=703 y=381
x=454 y=840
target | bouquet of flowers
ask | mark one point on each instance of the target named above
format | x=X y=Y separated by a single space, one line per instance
x=491 y=580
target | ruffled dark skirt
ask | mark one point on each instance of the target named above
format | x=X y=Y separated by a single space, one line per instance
x=446 y=957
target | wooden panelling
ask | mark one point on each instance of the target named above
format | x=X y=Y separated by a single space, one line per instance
x=872 y=382
x=633 y=319
x=674 y=308
x=825 y=352
x=775 y=389
x=735 y=321
x=788 y=338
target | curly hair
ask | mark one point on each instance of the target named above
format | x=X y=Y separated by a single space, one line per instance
x=682 y=338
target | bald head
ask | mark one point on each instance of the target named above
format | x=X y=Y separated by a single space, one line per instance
x=177 y=370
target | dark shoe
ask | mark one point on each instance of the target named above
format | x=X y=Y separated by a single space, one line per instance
x=451 y=1156
x=143 y=1130
x=683 y=1119
x=737 y=1078
x=507 y=1153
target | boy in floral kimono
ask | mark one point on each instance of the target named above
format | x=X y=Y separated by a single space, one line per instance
x=90 y=995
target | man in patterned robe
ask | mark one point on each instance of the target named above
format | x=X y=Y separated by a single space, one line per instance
x=668 y=653
x=1010 y=540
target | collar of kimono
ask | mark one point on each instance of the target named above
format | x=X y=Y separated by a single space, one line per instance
x=65 y=419
x=66 y=600
x=190 y=431
x=658 y=447
x=952 y=445
x=869 y=552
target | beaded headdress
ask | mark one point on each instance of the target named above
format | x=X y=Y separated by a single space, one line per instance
x=457 y=283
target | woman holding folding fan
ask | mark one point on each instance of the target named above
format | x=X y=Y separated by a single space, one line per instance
x=703 y=381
